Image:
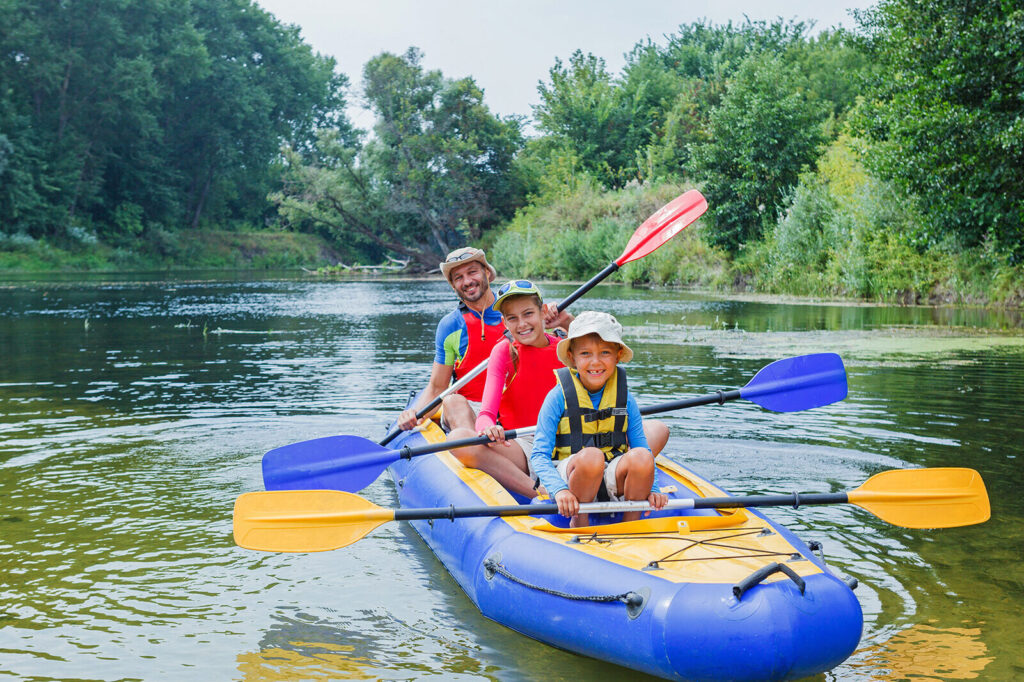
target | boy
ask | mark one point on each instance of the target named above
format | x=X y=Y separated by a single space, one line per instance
x=589 y=430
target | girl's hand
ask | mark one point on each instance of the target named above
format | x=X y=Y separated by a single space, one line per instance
x=496 y=433
x=568 y=505
x=657 y=500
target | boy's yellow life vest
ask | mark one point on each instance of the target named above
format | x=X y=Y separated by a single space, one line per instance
x=583 y=425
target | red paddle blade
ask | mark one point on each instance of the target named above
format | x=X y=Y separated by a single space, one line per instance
x=668 y=221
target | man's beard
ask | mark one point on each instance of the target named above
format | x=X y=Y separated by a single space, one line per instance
x=481 y=291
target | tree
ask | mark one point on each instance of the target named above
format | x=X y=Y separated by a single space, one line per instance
x=762 y=135
x=438 y=170
x=582 y=107
x=945 y=114
x=126 y=114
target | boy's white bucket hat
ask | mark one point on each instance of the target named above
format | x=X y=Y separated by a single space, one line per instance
x=467 y=254
x=592 y=322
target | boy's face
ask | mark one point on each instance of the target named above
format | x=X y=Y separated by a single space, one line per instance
x=595 y=359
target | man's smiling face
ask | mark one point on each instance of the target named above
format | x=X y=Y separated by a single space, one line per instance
x=470 y=281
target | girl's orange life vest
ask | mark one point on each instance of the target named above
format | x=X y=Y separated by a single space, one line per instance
x=482 y=338
x=526 y=389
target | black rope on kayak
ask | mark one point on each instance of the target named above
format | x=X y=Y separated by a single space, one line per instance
x=716 y=542
x=634 y=601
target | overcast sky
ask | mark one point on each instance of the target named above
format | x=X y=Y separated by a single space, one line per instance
x=507 y=47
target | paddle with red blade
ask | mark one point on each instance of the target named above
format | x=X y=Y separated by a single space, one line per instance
x=351 y=463
x=664 y=224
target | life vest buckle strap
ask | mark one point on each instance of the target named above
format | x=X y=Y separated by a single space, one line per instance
x=598 y=415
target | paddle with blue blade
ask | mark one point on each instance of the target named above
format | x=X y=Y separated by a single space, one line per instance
x=660 y=227
x=351 y=463
x=320 y=520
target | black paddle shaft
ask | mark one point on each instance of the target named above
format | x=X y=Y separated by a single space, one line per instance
x=719 y=397
x=590 y=284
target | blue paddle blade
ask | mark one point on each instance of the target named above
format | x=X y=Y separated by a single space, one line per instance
x=800 y=383
x=347 y=463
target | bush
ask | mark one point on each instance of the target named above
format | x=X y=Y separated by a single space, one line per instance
x=575 y=234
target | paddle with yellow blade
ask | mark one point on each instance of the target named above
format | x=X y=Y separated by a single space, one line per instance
x=320 y=520
x=657 y=230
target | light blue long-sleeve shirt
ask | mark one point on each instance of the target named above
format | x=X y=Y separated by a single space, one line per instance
x=551 y=412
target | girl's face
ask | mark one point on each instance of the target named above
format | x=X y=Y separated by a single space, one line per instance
x=524 y=321
x=595 y=359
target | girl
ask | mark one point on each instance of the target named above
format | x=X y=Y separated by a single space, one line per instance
x=520 y=373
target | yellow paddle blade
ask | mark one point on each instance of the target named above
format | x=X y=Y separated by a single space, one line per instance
x=925 y=498
x=304 y=520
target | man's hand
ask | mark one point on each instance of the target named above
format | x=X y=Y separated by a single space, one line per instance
x=554 y=319
x=407 y=420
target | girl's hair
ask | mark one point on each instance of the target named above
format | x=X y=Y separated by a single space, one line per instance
x=511 y=346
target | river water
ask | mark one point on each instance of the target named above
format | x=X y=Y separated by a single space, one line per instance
x=133 y=413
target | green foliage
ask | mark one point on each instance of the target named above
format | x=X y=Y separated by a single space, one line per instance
x=764 y=132
x=120 y=115
x=574 y=235
x=163 y=249
x=438 y=172
x=945 y=115
x=582 y=106
x=847 y=233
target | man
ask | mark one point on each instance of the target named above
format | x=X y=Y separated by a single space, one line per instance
x=463 y=340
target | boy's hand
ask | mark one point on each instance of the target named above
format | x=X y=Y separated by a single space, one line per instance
x=495 y=433
x=568 y=505
x=657 y=500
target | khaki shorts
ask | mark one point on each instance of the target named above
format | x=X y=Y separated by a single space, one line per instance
x=609 y=475
x=526 y=443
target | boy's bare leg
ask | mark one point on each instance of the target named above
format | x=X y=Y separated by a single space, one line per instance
x=656 y=433
x=507 y=464
x=584 y=474
x=634 y=478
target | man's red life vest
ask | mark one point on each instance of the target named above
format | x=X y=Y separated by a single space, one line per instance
x=525 y=391
x=482 y=338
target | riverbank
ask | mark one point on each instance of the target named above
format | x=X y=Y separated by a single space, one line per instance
x=570 y=235
x=162 y=250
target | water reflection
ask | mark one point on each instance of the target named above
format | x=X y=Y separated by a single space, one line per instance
x=924 y=652
x=133 y=413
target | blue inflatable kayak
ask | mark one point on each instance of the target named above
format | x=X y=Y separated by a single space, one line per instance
x=689 y=595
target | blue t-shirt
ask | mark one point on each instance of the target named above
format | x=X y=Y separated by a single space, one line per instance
x=452 y=337
x=551 y=412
